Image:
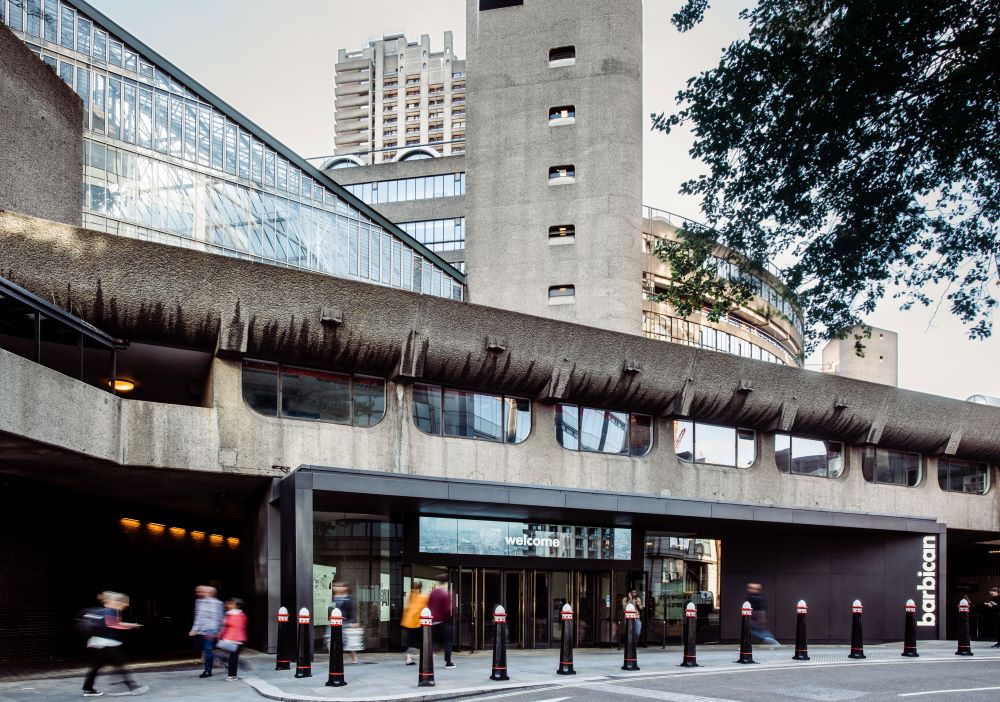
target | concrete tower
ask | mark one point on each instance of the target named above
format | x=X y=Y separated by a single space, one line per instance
x=554 y=175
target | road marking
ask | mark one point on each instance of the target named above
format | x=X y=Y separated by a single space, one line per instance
x=942 y=692
x=663 y=695
x=515 y=693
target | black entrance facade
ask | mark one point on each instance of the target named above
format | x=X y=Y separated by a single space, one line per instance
x=534 y=548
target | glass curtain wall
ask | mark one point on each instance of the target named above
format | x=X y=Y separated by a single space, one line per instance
x=363 y=552
x=167 y=164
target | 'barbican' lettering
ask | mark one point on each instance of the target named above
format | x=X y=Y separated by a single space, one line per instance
x=532 y=541
x=928 y=585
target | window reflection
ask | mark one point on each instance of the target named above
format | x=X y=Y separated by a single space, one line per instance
x=471 y=415
x=890 y=467
x=310 y=394
x=801 y=456
x=603 y=431
x=963 y=476
x=696 y=442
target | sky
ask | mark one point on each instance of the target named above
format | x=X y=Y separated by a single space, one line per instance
x=274 y=62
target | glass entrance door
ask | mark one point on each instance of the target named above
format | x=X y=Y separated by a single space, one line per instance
x=541 y=608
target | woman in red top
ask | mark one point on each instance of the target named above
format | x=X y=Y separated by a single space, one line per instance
x=233 y=636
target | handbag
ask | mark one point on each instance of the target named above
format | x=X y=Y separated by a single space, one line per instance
x=225 y=645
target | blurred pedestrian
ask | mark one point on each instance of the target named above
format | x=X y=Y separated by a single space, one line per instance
x=759 y=630
x=105 y=628
x=994 y=604
x=232 y=637
x=207 y=624
x=439 y=603
x=632 y=598
x=411 y=621
x=354 y=635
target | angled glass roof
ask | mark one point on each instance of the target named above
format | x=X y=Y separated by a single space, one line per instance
x=167 y=160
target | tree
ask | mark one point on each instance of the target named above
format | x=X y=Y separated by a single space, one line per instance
x=860 y=139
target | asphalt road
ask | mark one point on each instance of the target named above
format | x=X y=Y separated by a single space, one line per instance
x=958 y=680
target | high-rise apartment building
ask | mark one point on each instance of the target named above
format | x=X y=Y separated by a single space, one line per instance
x=166 y=160
x=397 y=99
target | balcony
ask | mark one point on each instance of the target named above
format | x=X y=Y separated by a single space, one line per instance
x=350 y=101
x=343 y=77
x=351 y=89
x=354 y=112
x=352 y=139
x=353 y=65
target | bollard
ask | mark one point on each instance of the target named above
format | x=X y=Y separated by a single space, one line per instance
x=566 y=646
x=910 y=631
x=499 y=671
x=284 y=657
x=964 y=639
x=857 y=639
x=746 y=646
x=690 y=633
x=303 y=657
x=425 y=678
x=631 y=659
x=336 y=677
x=801 y=644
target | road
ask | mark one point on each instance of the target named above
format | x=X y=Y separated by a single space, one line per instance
x=958 y=680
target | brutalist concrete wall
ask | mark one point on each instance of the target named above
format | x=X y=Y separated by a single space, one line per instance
x=511 y=200
x=41 y=143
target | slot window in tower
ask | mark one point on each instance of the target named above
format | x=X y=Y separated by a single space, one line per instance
x=562 y=56
x=562 y=234
x=564 y=114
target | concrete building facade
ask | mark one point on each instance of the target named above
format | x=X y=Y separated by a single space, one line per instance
x=878 y=362
x=397 y=99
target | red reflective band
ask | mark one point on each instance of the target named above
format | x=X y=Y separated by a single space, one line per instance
x=630 y=659
x=336 y=675
x=282 y=618
x=426 y=675
x=304 y=666
x=496 y=667
x=287 y=660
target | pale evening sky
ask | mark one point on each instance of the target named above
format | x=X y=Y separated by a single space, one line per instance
x=274 y=63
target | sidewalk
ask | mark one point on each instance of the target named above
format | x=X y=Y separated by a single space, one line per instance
x=384 y=677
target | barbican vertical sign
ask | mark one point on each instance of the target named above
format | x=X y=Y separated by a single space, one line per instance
x=927 y=582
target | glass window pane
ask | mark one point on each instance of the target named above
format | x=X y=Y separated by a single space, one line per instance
x=49 y=16
x=257 y=161
x=808 y=457
x=312 y=394
x=65 y=72
x=369 y=401
x=145 y=136
x=684 y=440
x=604 y=431
x=230 y=148
x=783 y=452
x=115 y=53
x=640 y=434
x=204 y=137
x=427 y=408
x=218 y=139
x=868 y=463
x=260 y=387
x=161 y=124
x=244 y=155
x=516 y=419
x=98 y=104
x=128 y=113
x=34 y=26
x=714 y=444
x=83 y=35
x=114 y=107
x=100 y=46
x=472 y=415
x=83 y=90
x=834 y=459
x=568 y=426
x=190 y=132
x=746 y=447
x=67 y=33
x=176 y=128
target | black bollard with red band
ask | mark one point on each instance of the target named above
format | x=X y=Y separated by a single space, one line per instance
x=690 y=636
x=631 y=661
x=284 y=658
x=303 y=655
x=499 y=671
x=857 y=637
x=336 y=676
x=801 y=642
x=910 y=631
x=964 y=639
x=425 y=677
x=746 y=646
x=566 y=644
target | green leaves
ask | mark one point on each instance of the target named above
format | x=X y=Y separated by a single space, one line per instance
x=863 y=138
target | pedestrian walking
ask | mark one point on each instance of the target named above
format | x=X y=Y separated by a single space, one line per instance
x=105 y=628
x=207 y=624
x=439 y=603
x=232 y=637
x=632 y=598
x=994 y=604
x=759 y=630
x=411 y=621
x=354 y=635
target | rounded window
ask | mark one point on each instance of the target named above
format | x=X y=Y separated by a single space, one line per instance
x=471 y=415
x=712 y=444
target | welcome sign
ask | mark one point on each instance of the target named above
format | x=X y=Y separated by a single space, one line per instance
x=485 y=537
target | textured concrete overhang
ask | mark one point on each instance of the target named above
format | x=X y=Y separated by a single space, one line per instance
x=143 y=291
x=483 y=498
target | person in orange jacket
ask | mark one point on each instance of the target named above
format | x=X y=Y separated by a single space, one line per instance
x=411 y=620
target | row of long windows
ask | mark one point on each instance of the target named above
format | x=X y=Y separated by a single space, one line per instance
x=438 y=234
x=179 y=158
x=683 y=331
x=299 y=393
x=407 y=189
